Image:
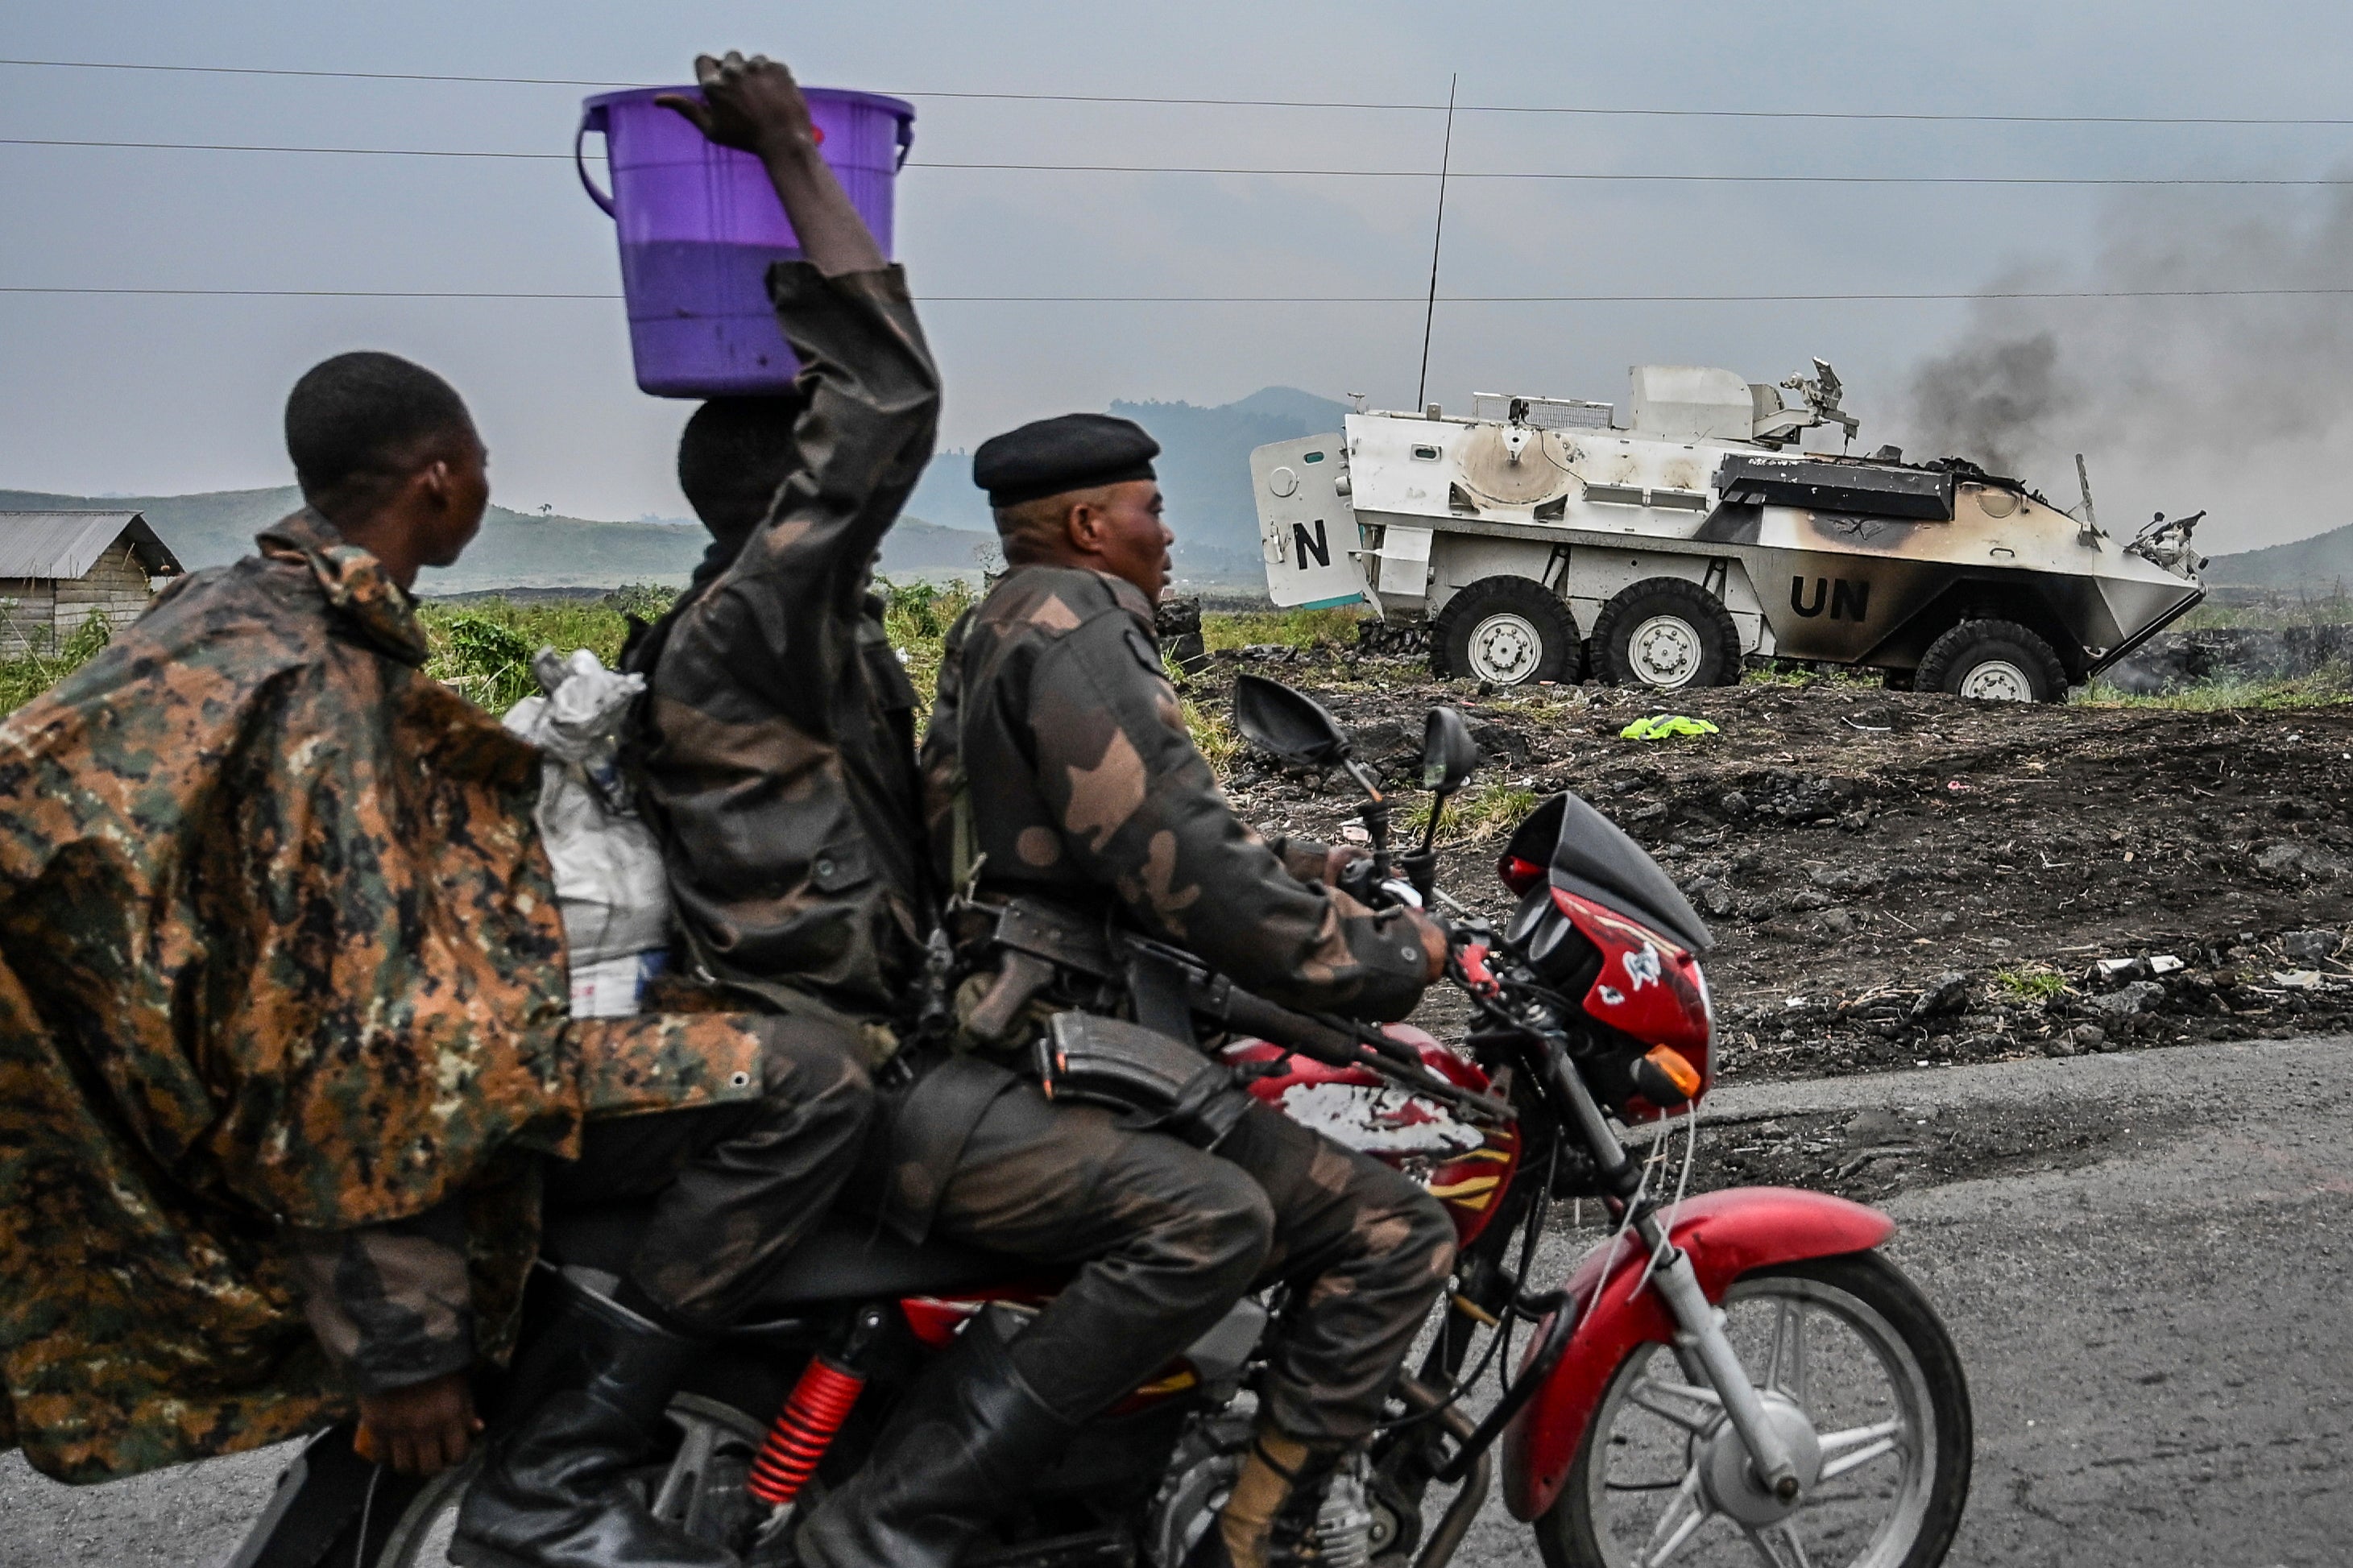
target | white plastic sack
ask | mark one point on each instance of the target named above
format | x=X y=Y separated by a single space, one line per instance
x=609 y=881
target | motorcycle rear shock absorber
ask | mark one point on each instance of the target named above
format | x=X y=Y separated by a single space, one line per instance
x=819 y=1402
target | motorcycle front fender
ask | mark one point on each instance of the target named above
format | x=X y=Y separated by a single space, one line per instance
x=1726 y=1234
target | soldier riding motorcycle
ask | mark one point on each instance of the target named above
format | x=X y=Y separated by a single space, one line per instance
x=1726 y=1376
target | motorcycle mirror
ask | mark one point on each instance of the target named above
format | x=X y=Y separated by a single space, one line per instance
x=1291 y=724
x=1449 y=755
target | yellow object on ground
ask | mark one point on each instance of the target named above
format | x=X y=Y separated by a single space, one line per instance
x=1659 y=726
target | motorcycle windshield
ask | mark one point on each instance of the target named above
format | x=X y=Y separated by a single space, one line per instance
x=1586 y=854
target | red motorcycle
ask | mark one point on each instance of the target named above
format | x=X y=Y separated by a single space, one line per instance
x=1730 y=1377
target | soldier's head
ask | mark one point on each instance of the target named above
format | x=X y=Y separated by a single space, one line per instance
x=733 y=456
x=1079 y=490
x=386 y=451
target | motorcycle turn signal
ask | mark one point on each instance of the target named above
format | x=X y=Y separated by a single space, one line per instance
x=1664 y=1078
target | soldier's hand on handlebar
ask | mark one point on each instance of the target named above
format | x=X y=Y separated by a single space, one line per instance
x=1340 y=858
x=1433 y=940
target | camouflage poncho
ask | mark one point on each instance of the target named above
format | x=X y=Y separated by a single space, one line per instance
x=277 y=949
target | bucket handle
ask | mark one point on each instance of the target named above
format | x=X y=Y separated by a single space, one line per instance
x=906 y=140
x=592 y=118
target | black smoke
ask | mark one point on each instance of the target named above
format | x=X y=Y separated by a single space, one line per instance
x=2226 y=384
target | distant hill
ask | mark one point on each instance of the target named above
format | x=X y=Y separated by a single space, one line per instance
x=515 y=549
x=1204 y=466
x=2317 y=562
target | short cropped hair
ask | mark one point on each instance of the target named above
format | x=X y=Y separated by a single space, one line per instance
x=733 y=456
x=1032 y=530
x=367 y=418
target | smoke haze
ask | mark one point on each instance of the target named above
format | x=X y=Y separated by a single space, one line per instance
x=2240 y=405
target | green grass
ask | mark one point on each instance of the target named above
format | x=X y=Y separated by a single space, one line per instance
x=2030 y=982
x=1479 y=812
x=2330 y=685
x=2274 y=611
x=483 y=647
x=1222 y=631
x=26 y=677
x=1800 y=674
x=918 y=621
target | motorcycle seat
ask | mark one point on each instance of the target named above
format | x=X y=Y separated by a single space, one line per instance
x=845 y=1258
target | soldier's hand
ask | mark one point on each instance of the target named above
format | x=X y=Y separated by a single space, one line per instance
x=752 y=104
x=1338 y=859
x=1432 y=937
x=420 y=1429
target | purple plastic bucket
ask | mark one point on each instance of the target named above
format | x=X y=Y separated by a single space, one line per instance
x=698 y=224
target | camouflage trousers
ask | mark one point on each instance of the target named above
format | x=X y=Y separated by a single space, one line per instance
x=737 y=1184
x=1169 y=1237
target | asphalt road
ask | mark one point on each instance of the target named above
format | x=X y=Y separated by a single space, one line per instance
x=2153 y=1313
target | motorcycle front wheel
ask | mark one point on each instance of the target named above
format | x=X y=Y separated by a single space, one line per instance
x=1861 y=1378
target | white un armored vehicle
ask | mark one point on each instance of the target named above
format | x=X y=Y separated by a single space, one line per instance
x=1541 y=539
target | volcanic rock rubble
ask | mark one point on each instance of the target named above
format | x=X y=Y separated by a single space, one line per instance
x=1898 y=879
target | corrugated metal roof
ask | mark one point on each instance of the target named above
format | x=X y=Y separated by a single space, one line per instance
x=67 y=545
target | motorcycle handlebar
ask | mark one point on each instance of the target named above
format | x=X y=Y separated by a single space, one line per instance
x=1337 y=1044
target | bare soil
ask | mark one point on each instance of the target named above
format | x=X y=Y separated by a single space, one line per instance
x=1854 y=850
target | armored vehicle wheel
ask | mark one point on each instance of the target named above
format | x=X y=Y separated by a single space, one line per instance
x=1667 y=634
x=1506 y=630
x=1999 y=661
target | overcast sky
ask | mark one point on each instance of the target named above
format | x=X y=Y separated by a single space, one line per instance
x=138 y=394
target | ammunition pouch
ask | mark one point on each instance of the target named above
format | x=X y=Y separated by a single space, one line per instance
x=1163 y=1084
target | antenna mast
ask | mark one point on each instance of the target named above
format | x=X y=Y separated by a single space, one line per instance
x=1445 y=162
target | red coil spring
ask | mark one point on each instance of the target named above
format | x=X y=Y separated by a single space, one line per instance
x=804 y=1429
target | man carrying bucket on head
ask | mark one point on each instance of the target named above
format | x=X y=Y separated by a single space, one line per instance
x=785 y=599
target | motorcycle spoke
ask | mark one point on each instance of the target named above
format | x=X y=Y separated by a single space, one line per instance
x=1678 y=1522
x=1788 y=1371
x=1779 y=1546
x=1648 y=1394
x=1858 y=1446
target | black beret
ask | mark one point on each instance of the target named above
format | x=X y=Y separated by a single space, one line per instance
x=1069 y=452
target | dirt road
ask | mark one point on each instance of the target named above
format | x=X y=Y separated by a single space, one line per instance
x=1854 y=850
x=2144 y=1261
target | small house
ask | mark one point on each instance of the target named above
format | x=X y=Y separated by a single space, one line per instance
x=58 y=569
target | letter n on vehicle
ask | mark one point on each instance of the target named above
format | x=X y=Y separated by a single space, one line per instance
x=1305 y=545
x=1848 y=601
x=1798 y=595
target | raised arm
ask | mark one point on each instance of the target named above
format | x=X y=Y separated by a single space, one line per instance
x=784 y=617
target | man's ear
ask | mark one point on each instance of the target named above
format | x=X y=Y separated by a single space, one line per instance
x=433 y=483
x=1083 y=527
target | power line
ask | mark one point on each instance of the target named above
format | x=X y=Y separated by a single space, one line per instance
x=1584 y=109
x=1579 y=176
x=1854 y=298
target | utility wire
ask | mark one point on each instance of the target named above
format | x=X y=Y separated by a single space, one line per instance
x=1864 y=297
x=1442 y=174
x=1923 y=117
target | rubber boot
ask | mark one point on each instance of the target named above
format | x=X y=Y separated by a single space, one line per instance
x=964 y=1445
x=551 y=1492
x=1270 y=1519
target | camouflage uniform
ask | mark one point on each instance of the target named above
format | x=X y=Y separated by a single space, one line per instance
x=1059 y=751
x=282 y=996
x=778 y=753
